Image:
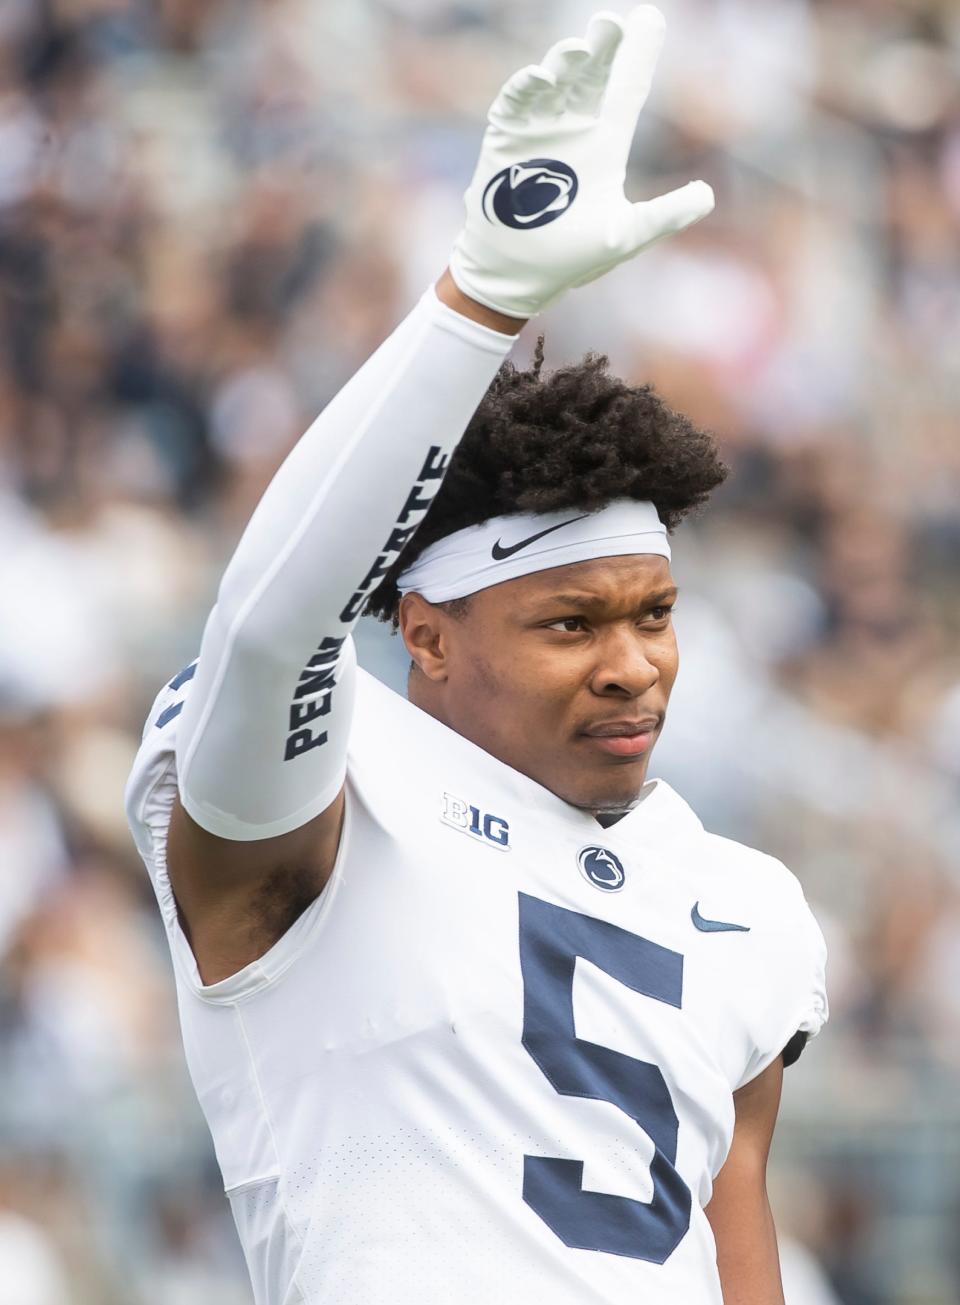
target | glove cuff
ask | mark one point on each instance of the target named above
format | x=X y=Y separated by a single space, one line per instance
x=496 y=291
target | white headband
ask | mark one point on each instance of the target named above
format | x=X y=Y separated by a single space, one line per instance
x=504 y=548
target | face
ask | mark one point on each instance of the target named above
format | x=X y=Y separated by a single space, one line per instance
x=564 y=674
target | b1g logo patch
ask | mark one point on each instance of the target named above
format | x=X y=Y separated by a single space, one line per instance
x=602 y=868
x=487 y=828
x=530 y=194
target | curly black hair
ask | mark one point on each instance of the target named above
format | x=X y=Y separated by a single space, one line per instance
x=577 y=438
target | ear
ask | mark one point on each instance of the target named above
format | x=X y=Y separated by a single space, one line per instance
x=422 y=627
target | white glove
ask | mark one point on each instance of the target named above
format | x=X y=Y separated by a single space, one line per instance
x=546 y=208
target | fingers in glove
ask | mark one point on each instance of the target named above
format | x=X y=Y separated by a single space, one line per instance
x=522 y=93
x=652 y=219
x=633 y=67
x=603 y=37
x=564 y=61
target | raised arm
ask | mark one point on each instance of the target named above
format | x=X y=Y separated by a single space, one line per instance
x=262 y=741
x=261 y=748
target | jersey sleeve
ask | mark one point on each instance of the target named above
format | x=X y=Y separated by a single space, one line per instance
x=150 y=794
x=794 y=1048
x=262 y=737
x=794 y=991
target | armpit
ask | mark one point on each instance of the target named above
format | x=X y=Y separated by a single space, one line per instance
x=280 y=901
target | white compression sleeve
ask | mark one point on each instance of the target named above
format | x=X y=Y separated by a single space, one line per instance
x=262 y=740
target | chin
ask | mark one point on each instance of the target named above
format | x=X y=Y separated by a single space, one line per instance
x=603 y=798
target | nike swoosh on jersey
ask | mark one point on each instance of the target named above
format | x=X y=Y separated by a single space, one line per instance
x=715 y=926
x=499 y=552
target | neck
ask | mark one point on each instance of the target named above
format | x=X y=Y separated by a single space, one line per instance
x=419 y=692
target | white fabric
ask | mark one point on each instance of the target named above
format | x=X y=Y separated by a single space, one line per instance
x=370 y=1096
x=472 y=558
x=546 y=209
x=263 y=738
x=33 y=1272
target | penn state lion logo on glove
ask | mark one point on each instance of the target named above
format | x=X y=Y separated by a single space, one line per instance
x=530 y=194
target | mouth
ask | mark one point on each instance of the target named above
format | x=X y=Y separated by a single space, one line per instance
x=627 y=739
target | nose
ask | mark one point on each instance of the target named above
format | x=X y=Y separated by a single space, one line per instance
x=624 y=667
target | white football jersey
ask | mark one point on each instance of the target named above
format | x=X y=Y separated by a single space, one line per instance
x=495 y=1060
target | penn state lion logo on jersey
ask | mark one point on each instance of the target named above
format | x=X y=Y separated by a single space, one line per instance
x=601 y=867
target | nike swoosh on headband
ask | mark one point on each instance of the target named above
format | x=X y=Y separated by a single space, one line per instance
x=498 y=553
x=715 y=926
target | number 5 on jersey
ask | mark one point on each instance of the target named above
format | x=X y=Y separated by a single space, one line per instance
x=551 y=939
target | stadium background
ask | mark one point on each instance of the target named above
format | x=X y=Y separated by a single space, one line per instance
x=210 y=212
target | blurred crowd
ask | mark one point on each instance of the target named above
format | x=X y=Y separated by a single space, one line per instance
x=211 y=211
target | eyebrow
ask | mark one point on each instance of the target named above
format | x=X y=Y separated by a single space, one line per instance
x=592 y=602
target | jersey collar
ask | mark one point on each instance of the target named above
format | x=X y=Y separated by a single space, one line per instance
x=660 y=814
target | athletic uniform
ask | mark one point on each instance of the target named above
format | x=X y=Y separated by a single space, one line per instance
x=495 y=1059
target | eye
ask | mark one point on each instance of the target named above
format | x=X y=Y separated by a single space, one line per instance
x=568 y=624
x=659 y=614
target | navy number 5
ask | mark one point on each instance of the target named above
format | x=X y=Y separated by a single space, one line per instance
x=551 y=939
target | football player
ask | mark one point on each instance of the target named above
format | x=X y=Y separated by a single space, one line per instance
x=476 y=1011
